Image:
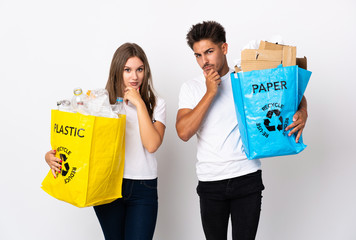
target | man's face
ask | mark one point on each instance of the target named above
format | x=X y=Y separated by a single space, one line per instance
x=210 y=55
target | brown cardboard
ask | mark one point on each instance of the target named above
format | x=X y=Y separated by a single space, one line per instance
x=289 y=52
x=302 y=62
x=247 y=65
x=237 y=69
x=269 y=55
x=270 y=46
x=256 y=59
x=262 y=55
x=289 y=56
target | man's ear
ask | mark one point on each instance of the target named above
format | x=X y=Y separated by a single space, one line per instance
x=224 y=48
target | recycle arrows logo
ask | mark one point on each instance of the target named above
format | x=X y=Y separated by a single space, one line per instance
x=65 y=170
x=269 y=116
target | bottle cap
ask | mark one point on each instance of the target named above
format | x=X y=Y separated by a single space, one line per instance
x=77 y=91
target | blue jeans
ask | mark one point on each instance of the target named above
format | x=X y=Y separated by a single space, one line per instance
x=132 y=217
x=239 y=197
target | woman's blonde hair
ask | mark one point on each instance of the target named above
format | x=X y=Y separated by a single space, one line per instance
x=115 y=84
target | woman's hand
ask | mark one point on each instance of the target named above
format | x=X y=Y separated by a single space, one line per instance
x=133 y=95
x=53 y=162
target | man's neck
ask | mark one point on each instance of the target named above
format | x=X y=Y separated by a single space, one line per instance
x=224 y=70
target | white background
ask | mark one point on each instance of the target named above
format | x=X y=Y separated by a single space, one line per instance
x=49 y=47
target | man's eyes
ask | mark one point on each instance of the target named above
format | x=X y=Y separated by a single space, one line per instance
x=207 y=52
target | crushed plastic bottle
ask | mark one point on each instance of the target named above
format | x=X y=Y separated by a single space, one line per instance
x=64 y=105
x=94 y=102
x=99 y=103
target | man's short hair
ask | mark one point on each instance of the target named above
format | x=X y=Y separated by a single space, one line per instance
x=209 y=30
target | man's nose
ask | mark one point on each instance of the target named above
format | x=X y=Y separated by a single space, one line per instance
x=205 y=59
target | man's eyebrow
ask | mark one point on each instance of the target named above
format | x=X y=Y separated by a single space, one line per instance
x=208 y=50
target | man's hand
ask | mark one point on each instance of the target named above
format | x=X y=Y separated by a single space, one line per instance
x=299 y=120
x=212 y=81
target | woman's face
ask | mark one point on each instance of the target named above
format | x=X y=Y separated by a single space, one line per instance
x=133 y=73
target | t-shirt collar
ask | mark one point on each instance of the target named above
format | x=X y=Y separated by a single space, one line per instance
x=227 y=75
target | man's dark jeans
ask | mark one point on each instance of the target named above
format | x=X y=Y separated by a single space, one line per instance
x=239 y=197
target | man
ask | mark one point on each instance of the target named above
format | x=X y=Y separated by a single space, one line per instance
x=229 y=183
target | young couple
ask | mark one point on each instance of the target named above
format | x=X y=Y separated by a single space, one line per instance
x=229 y=183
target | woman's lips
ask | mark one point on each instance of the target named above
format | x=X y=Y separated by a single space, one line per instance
x=134 y=84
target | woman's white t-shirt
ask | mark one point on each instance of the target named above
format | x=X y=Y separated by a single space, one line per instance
x=139 y=163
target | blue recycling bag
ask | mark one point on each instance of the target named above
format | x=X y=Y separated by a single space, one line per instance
x=265 y=102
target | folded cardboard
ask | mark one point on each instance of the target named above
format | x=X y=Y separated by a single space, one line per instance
x=289 y=52
x=270 y=55
x=256 y=59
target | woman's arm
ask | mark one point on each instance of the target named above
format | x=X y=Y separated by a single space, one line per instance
x=151 y=133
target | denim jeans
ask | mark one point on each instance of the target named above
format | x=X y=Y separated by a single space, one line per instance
x=239 y=197
x=132 y=217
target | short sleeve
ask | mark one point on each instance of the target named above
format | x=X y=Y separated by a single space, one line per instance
x=159 y=112
x=186 y=99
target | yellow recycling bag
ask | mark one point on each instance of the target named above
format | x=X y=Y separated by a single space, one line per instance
x=92 y=150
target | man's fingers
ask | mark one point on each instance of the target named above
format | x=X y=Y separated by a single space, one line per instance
x=298 y=136
x=294 y=130
x=292 y=125
x=296 y=116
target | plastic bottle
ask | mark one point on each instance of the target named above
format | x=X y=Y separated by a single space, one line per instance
x=118 y=107
x=79 y=101
x=65 y=106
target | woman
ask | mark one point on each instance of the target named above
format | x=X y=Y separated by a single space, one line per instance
x=133 y=216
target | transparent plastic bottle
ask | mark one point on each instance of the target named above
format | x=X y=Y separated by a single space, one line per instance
x=118 y=107
x=64 y=106
x=79 y=101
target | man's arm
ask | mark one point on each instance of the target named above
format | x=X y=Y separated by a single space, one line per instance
x=299 y=119
x=189 y=120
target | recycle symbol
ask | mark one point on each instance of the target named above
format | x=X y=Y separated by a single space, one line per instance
x=65 y=170
x=267 y=121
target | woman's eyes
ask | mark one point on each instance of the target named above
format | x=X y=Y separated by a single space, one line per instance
x=129 y=70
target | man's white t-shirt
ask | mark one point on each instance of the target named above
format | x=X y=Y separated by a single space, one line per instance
x=139 y=163
x=219 y=152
